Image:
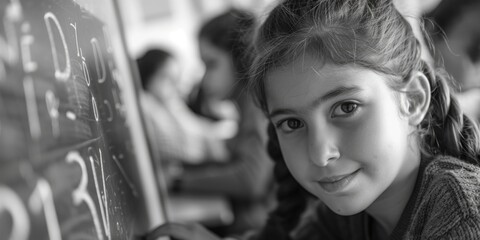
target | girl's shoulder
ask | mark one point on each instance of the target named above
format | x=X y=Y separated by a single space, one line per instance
x=454 y=174
x=448 y=199
x=448 y=163
x=452 y=177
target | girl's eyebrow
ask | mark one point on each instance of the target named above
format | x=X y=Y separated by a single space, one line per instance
x=342 y=90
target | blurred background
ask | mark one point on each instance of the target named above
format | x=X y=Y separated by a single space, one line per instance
x=174 y=25
x=197 y=132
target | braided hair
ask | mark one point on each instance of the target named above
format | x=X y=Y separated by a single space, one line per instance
x=366 y=33
x=445 y=129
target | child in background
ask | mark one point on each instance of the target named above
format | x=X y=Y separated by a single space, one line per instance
x=175 y=133
x=245 y=176
x=158 y=71
x=363 y=124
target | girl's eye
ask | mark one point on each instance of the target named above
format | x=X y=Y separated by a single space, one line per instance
x=293 y=123
x=289 y=125
x=345 y=109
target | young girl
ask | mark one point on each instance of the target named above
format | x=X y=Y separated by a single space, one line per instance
x=364 y=125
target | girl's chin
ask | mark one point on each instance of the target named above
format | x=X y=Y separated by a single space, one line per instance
x=347 y=207
x=347 y=211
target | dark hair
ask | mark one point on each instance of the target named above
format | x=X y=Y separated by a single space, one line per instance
x=231 y=32
x=150 y=62
x=367 y=33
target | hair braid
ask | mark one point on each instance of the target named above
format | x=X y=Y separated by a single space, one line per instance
x=291 y=197
x=447 y=130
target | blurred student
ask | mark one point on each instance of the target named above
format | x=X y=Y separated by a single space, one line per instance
x=157 y=71
x=176 y=134
x=245 y=176
x=457 y=38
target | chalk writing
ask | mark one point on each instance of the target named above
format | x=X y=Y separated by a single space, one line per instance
x=102 y=198
x=86 y=73
x=95 y=109
x=110 y=111
x=59 y=74
x=80 y=194
x=12 y=204
x=42 y=195
x=74 y=26
x=25 y=42
x=32 y=112
x=52 y=106
x=13 y=13
x=99 y=62
x=71 y=115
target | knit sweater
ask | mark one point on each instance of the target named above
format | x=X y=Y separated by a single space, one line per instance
x=444 y=205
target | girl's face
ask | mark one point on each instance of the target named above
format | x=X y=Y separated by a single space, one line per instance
x=341 y=133
x=219 y=77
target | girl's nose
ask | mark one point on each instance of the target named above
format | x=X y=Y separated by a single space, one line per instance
x=322 y=148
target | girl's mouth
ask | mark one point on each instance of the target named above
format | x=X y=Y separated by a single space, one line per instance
x=337 y=183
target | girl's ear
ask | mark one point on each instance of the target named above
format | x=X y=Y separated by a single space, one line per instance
x=416 y=98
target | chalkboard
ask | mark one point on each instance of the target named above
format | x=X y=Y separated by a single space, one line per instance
x=74 y=162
